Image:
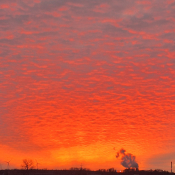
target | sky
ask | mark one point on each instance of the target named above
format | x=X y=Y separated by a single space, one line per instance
x=81 y=80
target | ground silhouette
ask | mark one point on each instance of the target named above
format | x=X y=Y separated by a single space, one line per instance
x=76 y=171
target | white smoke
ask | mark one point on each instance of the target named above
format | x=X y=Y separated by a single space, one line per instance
x=127 y=159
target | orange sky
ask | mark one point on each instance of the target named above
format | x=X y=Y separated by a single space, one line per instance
x=79 y=80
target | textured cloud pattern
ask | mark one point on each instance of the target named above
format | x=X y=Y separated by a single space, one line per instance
x=78 y=78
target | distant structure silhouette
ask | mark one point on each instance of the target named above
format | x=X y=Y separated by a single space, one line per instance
x=8 y=164
x=37 y=164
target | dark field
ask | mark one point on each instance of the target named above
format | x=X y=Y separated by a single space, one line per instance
x=83 y=172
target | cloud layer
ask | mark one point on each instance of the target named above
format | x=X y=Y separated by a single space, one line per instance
x=77 y=76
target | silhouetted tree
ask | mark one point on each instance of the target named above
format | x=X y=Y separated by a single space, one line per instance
x=27 y=164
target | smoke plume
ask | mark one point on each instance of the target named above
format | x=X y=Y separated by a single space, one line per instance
x=127 y=159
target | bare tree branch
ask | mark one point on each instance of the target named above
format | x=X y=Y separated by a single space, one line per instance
x=27 y=164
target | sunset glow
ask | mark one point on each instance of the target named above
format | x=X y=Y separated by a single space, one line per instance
x=81 y=79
